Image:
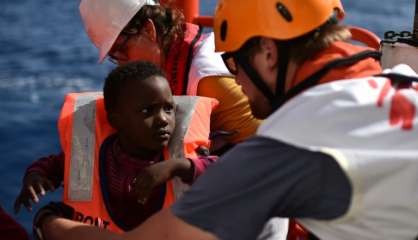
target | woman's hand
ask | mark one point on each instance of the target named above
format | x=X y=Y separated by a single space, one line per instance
x=33 y=184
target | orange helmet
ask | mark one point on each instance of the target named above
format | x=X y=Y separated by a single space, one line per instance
x=236 y=21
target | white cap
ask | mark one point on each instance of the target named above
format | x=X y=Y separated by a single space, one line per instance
x=105 y=19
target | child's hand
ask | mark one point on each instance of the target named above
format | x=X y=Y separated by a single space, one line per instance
x=33 y=184
x=156 y=175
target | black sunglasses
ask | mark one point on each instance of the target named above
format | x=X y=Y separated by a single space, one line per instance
x=126 y=34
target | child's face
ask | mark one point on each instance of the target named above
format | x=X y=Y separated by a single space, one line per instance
x=145 y=117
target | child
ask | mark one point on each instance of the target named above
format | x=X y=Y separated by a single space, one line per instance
x=131 y=186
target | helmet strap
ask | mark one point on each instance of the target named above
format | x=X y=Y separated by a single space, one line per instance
x=284 y=57
x=255 y=78
x=258 y=81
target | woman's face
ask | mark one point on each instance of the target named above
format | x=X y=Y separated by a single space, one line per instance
x=141 y=45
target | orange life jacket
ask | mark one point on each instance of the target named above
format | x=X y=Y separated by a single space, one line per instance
x=83 y=128
x=180 y=57
x=363 y=68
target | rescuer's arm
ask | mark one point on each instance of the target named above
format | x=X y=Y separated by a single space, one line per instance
x=162 y=226
x=60 y=228
x=263 y=178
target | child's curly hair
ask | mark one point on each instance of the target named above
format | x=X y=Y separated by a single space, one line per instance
x=123 y=75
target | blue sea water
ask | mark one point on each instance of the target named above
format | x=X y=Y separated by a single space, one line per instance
x=45 y=53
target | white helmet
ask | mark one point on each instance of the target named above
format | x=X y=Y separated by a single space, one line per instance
x=105 y=19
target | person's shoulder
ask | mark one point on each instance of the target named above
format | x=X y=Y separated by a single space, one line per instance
x=346 y=49
x=319 y=115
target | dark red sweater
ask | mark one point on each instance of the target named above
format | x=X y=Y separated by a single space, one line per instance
x=120 y=171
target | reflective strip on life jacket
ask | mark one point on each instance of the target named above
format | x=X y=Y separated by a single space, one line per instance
x=82 y=148
x=192 y=131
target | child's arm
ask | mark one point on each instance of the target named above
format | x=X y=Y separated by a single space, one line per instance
x=200 y=164
x=159 y=173
x=41 y=176
x=186 y=169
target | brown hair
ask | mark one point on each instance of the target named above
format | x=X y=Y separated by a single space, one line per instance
x=169 y=23
x=307 y=46
x=304 y=48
